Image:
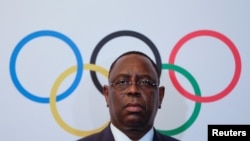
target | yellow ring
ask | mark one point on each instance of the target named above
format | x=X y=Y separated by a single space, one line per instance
x=52 y=101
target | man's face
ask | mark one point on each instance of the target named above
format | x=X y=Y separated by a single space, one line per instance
x=133 y=106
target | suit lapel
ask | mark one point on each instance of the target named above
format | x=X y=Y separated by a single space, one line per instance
x=106 y=135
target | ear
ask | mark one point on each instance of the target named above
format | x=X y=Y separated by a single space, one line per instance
x=105 y=91
x=161 y=95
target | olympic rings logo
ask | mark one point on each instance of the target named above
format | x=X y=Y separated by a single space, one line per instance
x=78 y=69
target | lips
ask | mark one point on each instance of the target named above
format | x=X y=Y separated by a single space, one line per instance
x=134 y=107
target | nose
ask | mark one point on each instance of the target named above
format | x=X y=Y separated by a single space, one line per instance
x=133 y=90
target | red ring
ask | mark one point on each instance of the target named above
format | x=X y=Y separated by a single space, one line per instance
x=236 y=56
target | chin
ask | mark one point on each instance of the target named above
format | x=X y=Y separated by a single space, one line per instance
x=135 y=121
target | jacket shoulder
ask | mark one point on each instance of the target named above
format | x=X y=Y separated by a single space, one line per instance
x=104 y=135
x=160 y=137
x=89 y=138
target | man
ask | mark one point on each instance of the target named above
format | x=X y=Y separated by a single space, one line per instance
x=133 y=97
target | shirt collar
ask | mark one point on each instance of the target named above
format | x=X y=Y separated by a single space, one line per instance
x=120 y=136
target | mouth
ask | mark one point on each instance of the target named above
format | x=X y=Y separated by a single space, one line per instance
x=134 y=107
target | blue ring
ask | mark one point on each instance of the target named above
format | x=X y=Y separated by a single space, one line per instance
x=32 y=36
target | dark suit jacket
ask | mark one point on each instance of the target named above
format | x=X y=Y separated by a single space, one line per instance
x=106 y=135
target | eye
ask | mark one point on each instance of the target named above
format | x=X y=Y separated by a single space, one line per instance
x=146 y=82
x=121 y=83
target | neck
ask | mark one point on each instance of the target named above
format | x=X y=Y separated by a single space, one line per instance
x=134 y=133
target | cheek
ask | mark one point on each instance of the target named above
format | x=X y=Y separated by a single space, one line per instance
x=152 y=100
x=115 y=100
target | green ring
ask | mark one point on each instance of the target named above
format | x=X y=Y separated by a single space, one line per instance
x=197 y=108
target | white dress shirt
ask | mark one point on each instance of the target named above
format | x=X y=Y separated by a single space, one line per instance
x=120 y=136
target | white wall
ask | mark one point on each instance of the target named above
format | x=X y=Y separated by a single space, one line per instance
x=209 y=58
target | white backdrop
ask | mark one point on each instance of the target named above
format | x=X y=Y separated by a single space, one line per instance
x=40 y=40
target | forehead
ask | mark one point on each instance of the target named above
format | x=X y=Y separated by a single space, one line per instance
x=133 y=64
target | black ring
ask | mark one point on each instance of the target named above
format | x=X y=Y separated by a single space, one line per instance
x=118 y=34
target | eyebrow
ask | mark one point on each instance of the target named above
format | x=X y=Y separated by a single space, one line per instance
x=138 y=76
